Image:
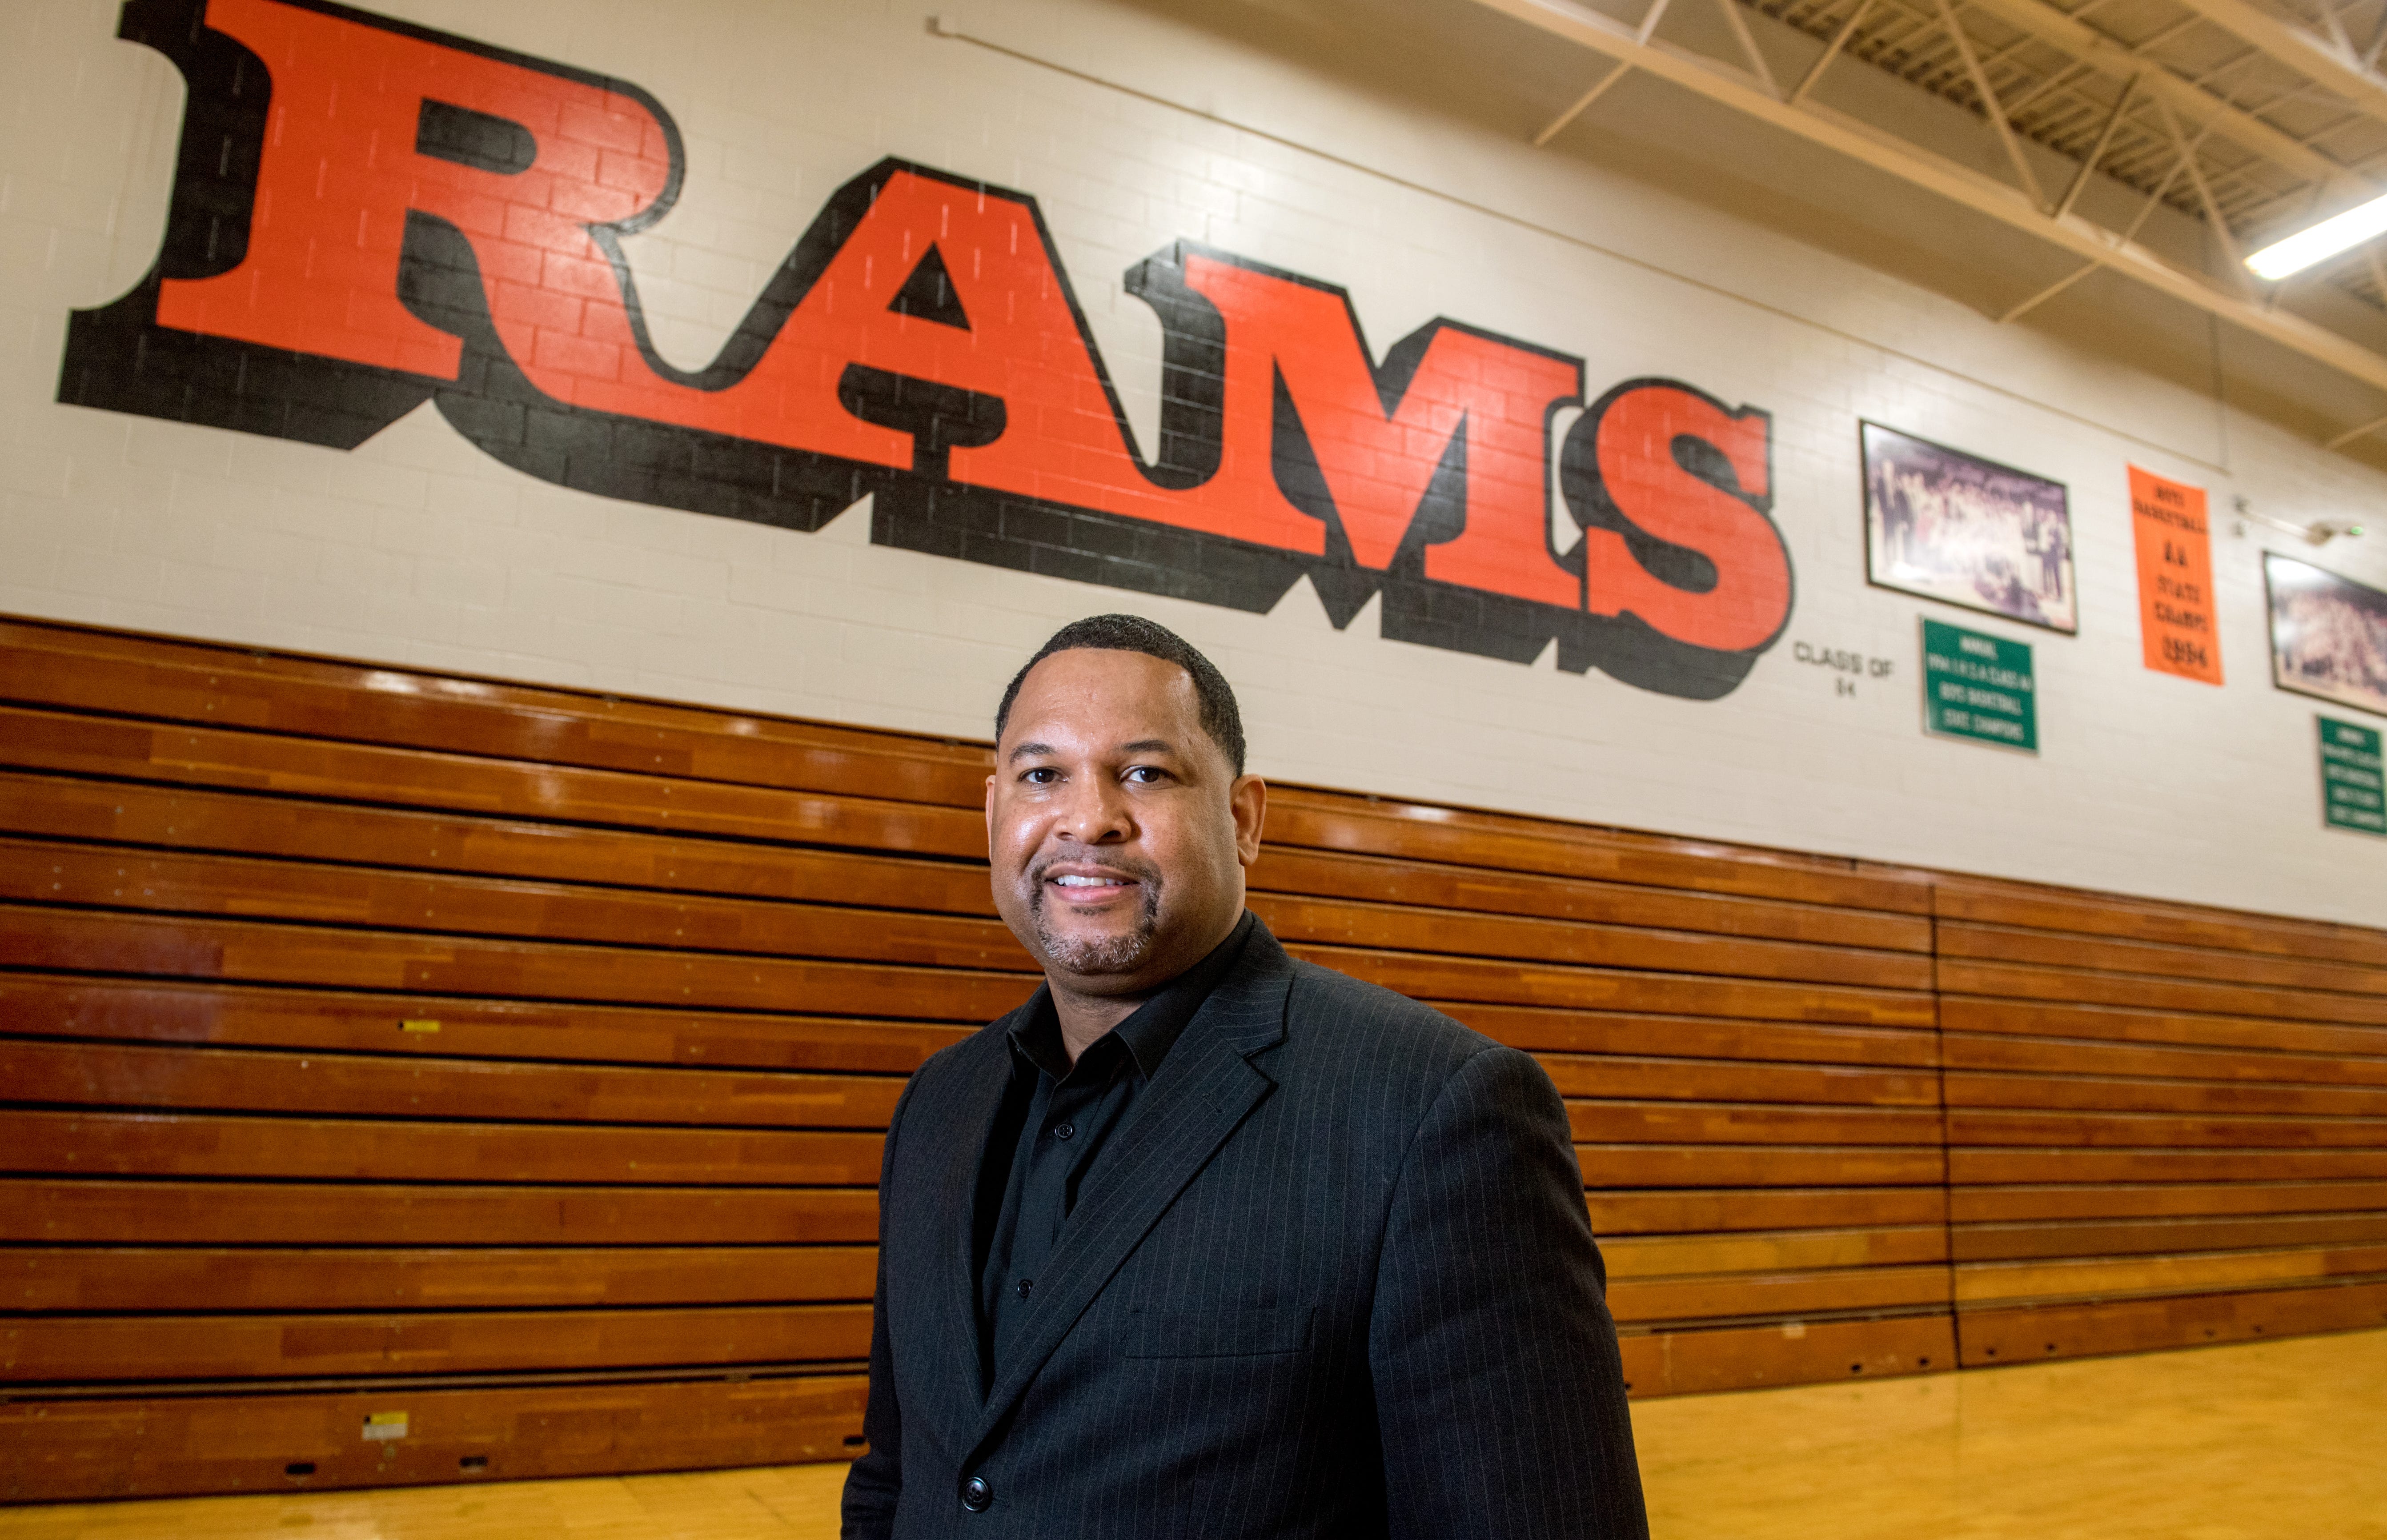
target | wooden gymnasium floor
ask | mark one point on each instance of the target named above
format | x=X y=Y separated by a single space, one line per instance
x=2238 y=1442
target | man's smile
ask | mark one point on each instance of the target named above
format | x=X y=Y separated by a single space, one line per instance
x=1088 y=886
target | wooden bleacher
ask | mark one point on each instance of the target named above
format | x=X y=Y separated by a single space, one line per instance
x=515 y=1058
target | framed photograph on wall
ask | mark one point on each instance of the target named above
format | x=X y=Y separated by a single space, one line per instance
x=1944 y=524
x=2328 y=634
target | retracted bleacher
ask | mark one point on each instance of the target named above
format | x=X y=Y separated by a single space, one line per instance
x=380 y=1044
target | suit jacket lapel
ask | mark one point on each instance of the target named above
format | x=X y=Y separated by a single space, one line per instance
x=1204 y=1089
x=959 y=1127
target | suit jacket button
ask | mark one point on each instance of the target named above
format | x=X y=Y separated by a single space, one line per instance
x=977 y=1495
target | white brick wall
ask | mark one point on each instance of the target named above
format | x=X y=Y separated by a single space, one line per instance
x=417 y=549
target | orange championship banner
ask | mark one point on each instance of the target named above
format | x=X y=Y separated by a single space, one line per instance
x=2175 y=577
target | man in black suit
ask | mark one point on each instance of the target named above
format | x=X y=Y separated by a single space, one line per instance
x=1202 y=1241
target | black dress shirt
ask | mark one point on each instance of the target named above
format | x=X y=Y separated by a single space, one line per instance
x=1056 y=1117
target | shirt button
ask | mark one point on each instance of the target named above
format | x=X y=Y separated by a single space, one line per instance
x=1064 y=1130
x=977 y=1495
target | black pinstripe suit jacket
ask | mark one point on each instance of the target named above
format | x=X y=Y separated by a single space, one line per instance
x=1334 y=1278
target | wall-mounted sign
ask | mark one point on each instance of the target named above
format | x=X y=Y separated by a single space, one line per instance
x=1980 y=687
x=1955 y=527
x=2175 y=577
x=367 y=215
x=2353 y=790
x=2328 y=634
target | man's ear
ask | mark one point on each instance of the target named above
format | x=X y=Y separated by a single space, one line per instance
x=1248 y=801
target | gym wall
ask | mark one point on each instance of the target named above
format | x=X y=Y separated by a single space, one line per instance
x=309 y=364
x=506 y=509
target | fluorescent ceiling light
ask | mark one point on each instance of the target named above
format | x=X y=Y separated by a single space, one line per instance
x=2320 y=242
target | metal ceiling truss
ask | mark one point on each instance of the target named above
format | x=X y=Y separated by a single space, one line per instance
x=2253 y=118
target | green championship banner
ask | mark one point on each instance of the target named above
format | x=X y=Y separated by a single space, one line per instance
x=2353 y=792
x=1978 y=687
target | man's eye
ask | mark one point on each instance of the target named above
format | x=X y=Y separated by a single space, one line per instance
x=1147 y=775
x=1044 y=774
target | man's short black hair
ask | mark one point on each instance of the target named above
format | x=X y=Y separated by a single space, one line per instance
x=1135 y=634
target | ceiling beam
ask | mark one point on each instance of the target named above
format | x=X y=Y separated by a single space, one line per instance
x=2154 y=201
x=1992 y=109
x=1832 y=50
x=2193 y=102
x=2340 y=73
x=2097 y=152
x=1861 y=142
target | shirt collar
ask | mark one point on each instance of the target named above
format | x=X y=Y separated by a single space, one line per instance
x=1151 y=1031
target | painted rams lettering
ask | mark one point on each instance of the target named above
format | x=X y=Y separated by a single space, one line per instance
x=367 y=215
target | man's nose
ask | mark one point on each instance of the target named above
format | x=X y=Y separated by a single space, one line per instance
x=1097 y=812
